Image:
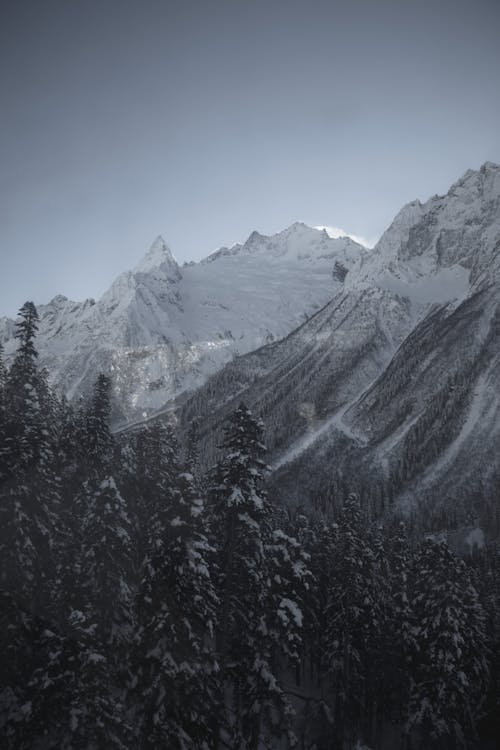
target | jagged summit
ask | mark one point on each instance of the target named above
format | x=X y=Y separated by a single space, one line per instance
x=474 y=177
x=441 y=249
x=59 y=299
x=159 y=254
x=163 y=331
x=297 y=242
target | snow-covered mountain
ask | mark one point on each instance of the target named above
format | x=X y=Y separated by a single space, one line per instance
x=442 y=249
x=394 y=386
x=161 y=329
x=380 y=368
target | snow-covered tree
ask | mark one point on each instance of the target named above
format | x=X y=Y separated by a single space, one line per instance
x=247 y=552
x=192 y=451
x=99 y=438
x=24 y=423
x=29 y=492
x=106 y=560
x=398 y=640
x=158 y=467
x=353 y=622
x=98 y=716
x=177 y=671
x=449 y=666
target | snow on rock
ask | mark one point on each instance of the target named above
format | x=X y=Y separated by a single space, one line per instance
x=157 y=256
x=442 y=249
x=160 y=330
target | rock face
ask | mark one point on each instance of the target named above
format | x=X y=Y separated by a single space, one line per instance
x=393 y=388
x=443 y=248
x=161 y=330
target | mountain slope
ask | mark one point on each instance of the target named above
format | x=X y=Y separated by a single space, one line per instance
x=394 y=387
x=375 y=370
x=161 y=329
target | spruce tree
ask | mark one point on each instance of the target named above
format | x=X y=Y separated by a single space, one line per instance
x=242 y=530
x=98 y=434
x=353 y=623
x=398 y=625
x=98 y=712
x=29 y=491
x=106 y=560
x=3 y=418
x=192 y=451
x=157 y=469
x=24 y=420
x=449 y=668
x=176 y=668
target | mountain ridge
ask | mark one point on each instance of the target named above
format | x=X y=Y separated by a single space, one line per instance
x=395 y=396
x=161 y=328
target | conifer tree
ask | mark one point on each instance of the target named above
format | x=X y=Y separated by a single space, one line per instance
x=158 y=467
x=177 y=609
x=98 y=715
x=106 y=560
x=449 y=669
x=26 y=329
x=99 y=438
x=24 y=423
x=242 y=530
x=29 y=492
x=17 y=635
x=353 y=622
x=3 y=375
x=3 y=418
x=399 y=640
x=192 y=452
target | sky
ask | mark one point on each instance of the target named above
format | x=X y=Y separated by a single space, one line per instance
x=204 y=120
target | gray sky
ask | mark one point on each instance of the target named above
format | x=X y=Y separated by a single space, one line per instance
x=123 y=119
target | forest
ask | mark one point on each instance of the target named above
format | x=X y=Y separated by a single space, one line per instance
x=148 y=603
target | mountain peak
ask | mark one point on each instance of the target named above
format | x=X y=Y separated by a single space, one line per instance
x=298 y=226
x=474 y=179
x=159 y=254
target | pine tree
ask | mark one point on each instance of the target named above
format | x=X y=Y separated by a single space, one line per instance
x=353 y=623
x=242 y=530
x=177 y=606
x=24 y=418
x=449 y=669
x=98 y=716
x=157 y=461
x=3 y=418
x=28 y=493
x=3 y=375
x=26 y=329
x=288 y=581
x=98 y=433
x=106 y=560
x=17 y=635
x=398 y=641
x=192 y=452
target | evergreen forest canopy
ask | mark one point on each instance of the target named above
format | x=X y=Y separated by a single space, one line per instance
x=145 y=604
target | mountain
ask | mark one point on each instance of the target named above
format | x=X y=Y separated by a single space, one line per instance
x=161 y=330
x=393 y=387
x=377 y=370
